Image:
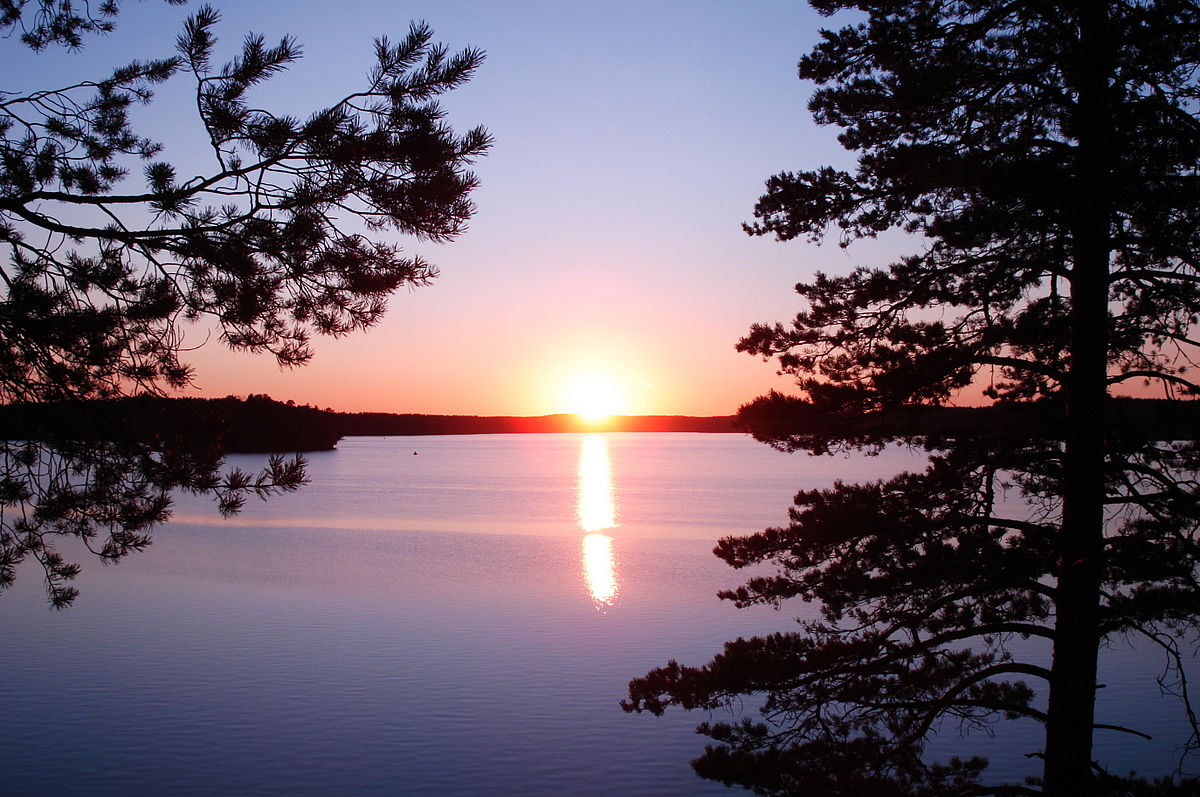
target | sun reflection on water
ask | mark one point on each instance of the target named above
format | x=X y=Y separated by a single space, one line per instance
x=599 y=571
x=595 y=507
x=596 y=510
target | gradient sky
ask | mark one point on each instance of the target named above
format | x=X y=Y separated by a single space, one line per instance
x=632 y=139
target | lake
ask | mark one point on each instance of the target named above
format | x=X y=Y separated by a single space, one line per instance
x=452 y=615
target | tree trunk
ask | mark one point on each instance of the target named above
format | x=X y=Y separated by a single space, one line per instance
x=1072 y=697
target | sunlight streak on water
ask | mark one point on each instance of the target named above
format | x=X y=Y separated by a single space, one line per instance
x=599 y=569
x=596 y=510
x=596 y=507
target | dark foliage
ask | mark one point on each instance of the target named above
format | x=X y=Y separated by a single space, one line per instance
x=112 y=254
x=1047 y=154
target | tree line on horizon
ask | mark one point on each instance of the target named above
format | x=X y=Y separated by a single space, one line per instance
x=260 y=424
x=257 y=423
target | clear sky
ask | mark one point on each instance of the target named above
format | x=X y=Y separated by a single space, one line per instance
x=606 y=259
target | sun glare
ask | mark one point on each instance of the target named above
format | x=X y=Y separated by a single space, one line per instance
x=594 y=398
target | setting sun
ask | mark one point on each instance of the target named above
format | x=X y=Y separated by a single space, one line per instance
x=595 y=398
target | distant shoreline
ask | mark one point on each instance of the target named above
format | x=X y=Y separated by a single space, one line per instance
x=259 y=424
x=376 y=424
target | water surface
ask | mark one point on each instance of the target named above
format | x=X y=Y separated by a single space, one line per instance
x=431 y=616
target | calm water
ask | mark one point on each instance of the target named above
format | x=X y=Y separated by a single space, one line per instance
x=432 y=616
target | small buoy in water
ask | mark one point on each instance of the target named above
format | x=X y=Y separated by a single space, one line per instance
x=414 y=453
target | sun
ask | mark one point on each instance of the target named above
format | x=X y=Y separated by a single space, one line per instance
x=594 y=397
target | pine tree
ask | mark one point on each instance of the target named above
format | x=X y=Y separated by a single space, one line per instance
x=1044 y=155
x=109 y=263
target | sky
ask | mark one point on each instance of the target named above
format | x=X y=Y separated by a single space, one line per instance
x=606 y=268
